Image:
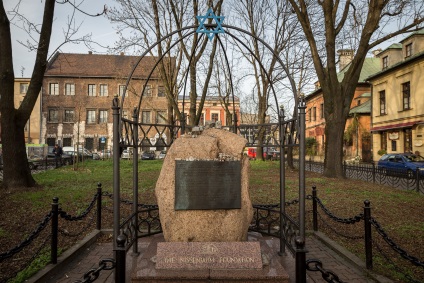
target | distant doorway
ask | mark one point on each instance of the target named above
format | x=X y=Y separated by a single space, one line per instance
x=366 y=148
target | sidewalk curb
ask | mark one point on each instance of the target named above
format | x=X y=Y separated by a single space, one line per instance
x=350 y=257
x=65 y=258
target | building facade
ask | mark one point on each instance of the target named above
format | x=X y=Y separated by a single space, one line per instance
x=398 y=98
x=77 y=95
x=33 y=126
x=357 y=138
x=213 y=110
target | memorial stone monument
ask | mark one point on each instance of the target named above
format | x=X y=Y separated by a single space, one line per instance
x=205 y=212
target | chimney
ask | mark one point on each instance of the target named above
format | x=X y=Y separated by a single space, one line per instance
x=376 y=52
x=90 y=52
x=345 y=57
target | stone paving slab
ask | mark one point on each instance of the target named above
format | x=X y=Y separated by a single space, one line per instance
x=331 y=260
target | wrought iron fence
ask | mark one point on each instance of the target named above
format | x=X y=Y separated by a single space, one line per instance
x=371 y=173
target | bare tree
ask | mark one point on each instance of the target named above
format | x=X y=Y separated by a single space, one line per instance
x=13 y=120
x=149 y=23
x=274 y=22
x=330 y=25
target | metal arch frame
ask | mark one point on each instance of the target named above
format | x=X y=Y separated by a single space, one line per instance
x=117 y=116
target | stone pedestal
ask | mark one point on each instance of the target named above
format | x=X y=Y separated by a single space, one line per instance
x=270 y=269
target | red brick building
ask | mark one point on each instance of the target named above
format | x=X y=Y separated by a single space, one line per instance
x=77 y=97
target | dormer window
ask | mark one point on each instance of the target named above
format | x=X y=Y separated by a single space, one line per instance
x=408 y=50
x=385 y=62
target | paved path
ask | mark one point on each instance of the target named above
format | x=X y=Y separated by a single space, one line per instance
x=345 y=270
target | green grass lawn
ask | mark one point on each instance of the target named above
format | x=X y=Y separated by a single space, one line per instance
x=399 y=212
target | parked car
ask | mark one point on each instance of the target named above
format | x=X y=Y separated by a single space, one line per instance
x=105 y=153
x=33 y=162
x=401 y=163
x=66 y=159
x=126 y=154
x=162 y=154
x=148 y=155
x=272 y=154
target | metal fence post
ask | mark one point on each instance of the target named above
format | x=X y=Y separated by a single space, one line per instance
x=135 y=180
x=417 y=176
x=55 y=217
x=314 y=208
x=116 y=171
x=99 y=206
x=373 y=173
x=282 y=180
x=368 y=237
x=120 y=257
x=300 y=261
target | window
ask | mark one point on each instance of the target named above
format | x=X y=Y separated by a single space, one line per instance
x=358 y=102
x=67 y=142
x=53 y=116
x=406 y=95
x=103 y=90
x=54 y=89
x=214 y=117
x=125 y=114
x=383 y=141
x=147 y=90
x=91 y=90
x=161 y=117
x=322 y=110
x=23 y=88
x=102 y=144
x=69 y=116
x=121 y=90
x=51 y=141
x=385 y=62
x=393 y=145
x=91 y=116
x=408 y=50
x=145 y=117
x=382 y=102
x=314 y=113
x=161 y=91
x=102 y=116
x=202 y=119
x=89 y=143
x=69 y=89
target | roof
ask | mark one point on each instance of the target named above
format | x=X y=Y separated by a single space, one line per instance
x=96 y=65
x=207 y=98
x=398 y=65
x=418 y=32
x=371 y=66
x=364 y=108
x=393 y=46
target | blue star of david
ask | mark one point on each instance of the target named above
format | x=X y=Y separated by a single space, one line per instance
x=210 y=33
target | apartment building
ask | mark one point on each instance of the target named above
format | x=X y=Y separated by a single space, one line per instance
x=357 y=139
x=32 y=127
x=77 y=95
x=398 y=98
x=213 y=109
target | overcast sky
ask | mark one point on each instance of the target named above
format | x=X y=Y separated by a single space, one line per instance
x=99 y=27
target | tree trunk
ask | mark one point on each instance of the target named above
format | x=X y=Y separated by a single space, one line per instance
x=333 y=162
x=17 y=173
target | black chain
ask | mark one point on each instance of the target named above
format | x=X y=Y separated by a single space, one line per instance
x=94 y=273
x=30 y=260
x=394 y=246
x=28 y=240
x=327 y=275
x=129 y=202
x=67 y=234
x=68 y=217
x=337 y=232
x=350 y=220
x=388 y=259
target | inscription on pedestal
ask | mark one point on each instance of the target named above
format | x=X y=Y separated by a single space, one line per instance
x=209 y=255
x=207 y=185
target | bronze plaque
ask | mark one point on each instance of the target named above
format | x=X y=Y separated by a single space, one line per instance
x=207 y=185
